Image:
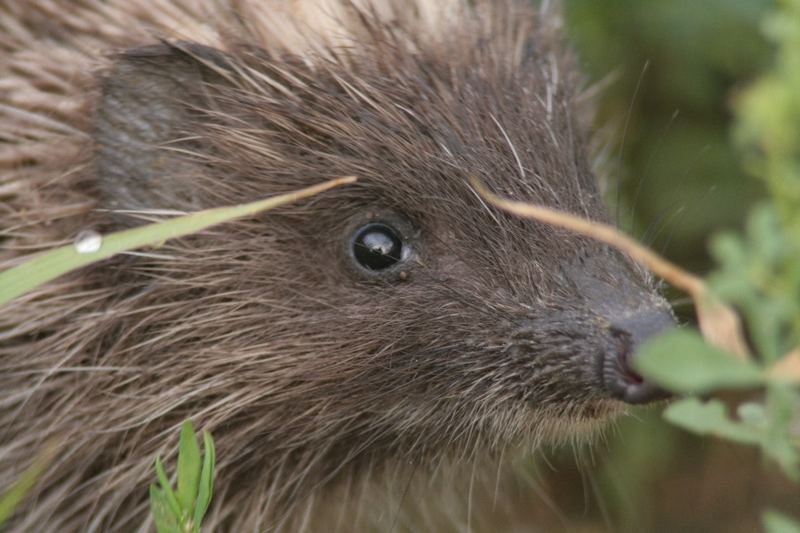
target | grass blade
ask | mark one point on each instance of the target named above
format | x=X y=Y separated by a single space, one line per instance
x=49 y=265
x=206 y=481
x=164 y=520
x=169 y=494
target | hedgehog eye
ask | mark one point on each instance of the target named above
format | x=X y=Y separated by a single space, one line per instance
x=377 y=246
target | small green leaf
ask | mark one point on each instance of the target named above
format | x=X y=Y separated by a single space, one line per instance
x=206 y=481
x=709 y=419
x=188 y=469
x=185 y=508
x=781 y=449
x=682 y=362
x=164 y=520
x=778 y=442
x=169 y=495
x=775 y=522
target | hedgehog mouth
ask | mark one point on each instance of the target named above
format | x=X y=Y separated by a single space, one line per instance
x=625 y=384
x=618 y=375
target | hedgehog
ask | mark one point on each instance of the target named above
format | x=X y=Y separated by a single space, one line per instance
x=396 y=328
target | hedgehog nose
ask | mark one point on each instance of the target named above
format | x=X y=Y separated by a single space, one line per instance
x=628 y=334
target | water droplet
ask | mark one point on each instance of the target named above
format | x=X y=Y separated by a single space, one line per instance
x=88 y=241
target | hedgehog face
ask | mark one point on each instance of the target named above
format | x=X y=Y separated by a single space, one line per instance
x=403 y=300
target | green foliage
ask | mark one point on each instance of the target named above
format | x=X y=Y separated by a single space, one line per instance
x=182 y=510
x=769 y=117
x=711 y=418
x=682 y=362
x=670 y=65
x=764 y=425
x=758 y=273
x=761 y=271
x=668 y=70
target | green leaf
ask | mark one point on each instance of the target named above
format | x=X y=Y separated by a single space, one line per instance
x=206 y=481
x=188 y=469
x=185 y=508
x=49 y=265
x=709 y=419
x=682 y=362
x=764 y=426
x=778 y=442
x=164 y=520
x=775 y=522
x=169 y=495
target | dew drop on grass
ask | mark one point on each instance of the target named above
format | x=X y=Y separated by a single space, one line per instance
x=88 y=241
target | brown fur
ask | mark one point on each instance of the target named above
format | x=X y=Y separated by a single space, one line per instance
x=310 y=374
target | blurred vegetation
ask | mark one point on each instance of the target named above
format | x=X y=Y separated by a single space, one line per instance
x=671 y=71
x=181 y=509
x=673 y=66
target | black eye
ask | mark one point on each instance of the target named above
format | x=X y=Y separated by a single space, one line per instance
x=377 y=247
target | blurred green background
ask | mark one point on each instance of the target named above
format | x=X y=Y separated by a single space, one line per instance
x=671 y=69
x=669 y=72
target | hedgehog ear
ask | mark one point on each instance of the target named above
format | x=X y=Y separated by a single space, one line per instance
x=143 y=125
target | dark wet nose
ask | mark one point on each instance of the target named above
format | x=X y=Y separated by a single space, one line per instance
x=628 y=334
